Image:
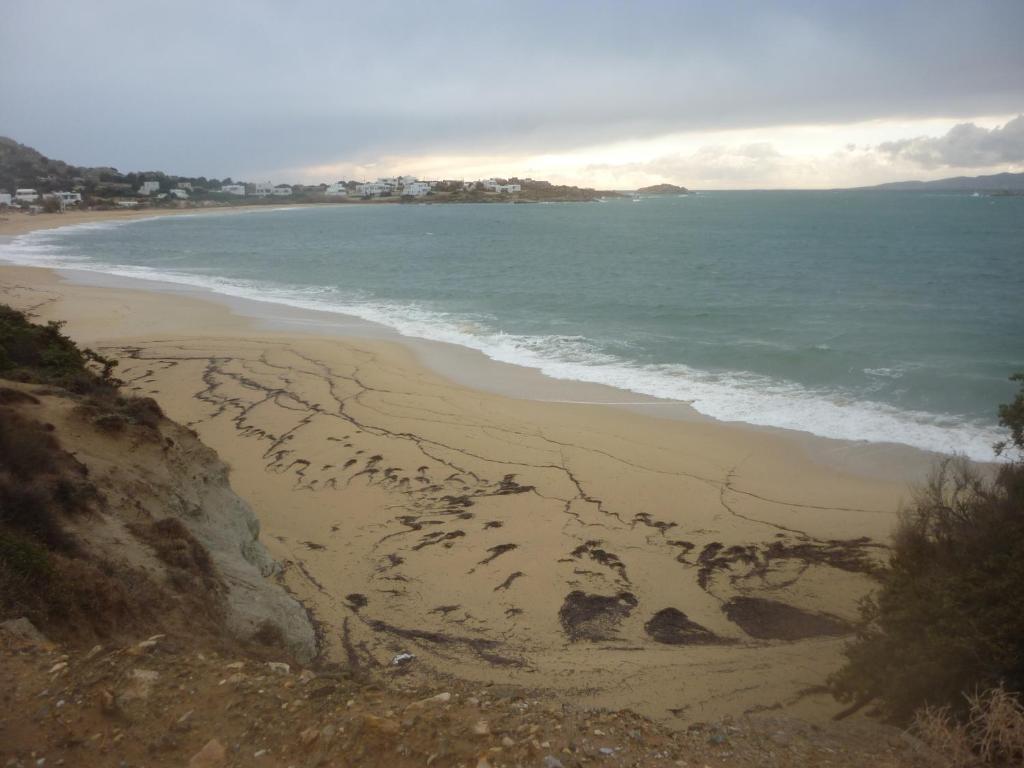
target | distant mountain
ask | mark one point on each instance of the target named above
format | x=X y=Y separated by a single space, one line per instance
x=998 y=182
x=663 y=189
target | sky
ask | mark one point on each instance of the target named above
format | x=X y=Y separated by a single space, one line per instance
x=615 y=95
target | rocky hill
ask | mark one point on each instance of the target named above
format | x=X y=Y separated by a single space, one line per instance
x=663 y=189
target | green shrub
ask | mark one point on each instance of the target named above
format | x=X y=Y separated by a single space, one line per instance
x=948 y=620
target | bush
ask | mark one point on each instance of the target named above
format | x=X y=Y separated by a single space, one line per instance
x=948 y=620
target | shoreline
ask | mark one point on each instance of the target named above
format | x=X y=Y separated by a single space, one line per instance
x=555 y=546
x=471 y=366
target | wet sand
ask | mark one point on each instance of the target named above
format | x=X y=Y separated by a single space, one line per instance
x=681 y=567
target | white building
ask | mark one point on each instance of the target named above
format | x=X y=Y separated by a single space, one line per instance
x=337 y=189
x=5 y=198
x=149 y=187
x=25 y=195
x=262 y=189
x=374 y=189
x=185 y=185
x=234 y=189
x=282 y=190
x=67 y=198
x=416 y=188
x=180 y=194
x=508 y=188
x=489 y=184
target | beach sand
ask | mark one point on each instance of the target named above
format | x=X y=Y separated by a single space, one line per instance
x=684 y=568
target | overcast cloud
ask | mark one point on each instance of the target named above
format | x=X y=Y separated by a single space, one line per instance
x=964 y=146
x=244 y=88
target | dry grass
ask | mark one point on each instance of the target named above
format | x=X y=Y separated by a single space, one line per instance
x=993 y=734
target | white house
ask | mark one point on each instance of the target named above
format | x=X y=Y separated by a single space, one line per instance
x=489 y=184
x=149 y=187
x=180 y=194
x=25 y=195
x=262 y=189
x=67 y=198
x=416 y=188
x=5 y=198
x=374 y=189
x=234 y=189
x=282 y=190
x=337 y=189
x=508 y=188
x=185 y=185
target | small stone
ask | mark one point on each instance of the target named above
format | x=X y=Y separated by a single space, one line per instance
x=327 y=732
x=507 y=742
x=60 y=666
x=481 y=728
x=441 y=698
x=95 y=651
x=308 y=736
x=139 y=686
x=236 y=665
x=259 y=753
x=211 y=755
x=402 y=659
x=142 y=648
x=279 y=667
x=236 y=678
x=483 y=762
x=307 y=676
x=607 y=751
x=381 y=724
x=550 y=761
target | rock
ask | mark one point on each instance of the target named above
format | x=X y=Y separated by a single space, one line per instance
x=307 y=676
x=24 y=631
x=308 y=736
x=236 y=665
x=60 y=666
x=95 y=651
x=236 y=678
x=481 y=728
x=607 y=751
x=142 y=648
x=279 y=667
x=507 y=742
x=382 y=725
x=327 y=733
x=139 y=686
x=483 y=762
x=550 y=761
x=211 y=755
x=441 y=698
x=402 y=659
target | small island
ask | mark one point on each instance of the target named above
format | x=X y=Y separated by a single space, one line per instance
x=663 y=189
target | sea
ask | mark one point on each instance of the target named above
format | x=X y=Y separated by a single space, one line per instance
x=890 y=317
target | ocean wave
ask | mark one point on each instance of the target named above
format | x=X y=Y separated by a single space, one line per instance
x=727 y=396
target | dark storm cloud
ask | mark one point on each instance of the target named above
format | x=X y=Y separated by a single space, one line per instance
x=235 y=87
x=965 y=145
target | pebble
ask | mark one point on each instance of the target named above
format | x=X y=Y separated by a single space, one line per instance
x=211 y=755
x=550 y=761
x=308 y=736
x=481 y=728
x=58 y=667
x=279 y=667
x=507 y=742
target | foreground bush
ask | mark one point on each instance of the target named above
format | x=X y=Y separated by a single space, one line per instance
x=991 y=734
x=948 y=620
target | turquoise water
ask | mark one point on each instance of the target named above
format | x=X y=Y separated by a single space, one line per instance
x=859 y=315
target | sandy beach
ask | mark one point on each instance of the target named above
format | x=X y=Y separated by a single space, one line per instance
x=684 y=568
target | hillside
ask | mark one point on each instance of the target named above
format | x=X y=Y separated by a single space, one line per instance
x=998 y=182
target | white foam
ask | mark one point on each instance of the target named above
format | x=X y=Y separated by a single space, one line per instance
x=727 y=396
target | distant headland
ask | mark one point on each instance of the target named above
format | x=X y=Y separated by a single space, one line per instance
x=663 y=189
